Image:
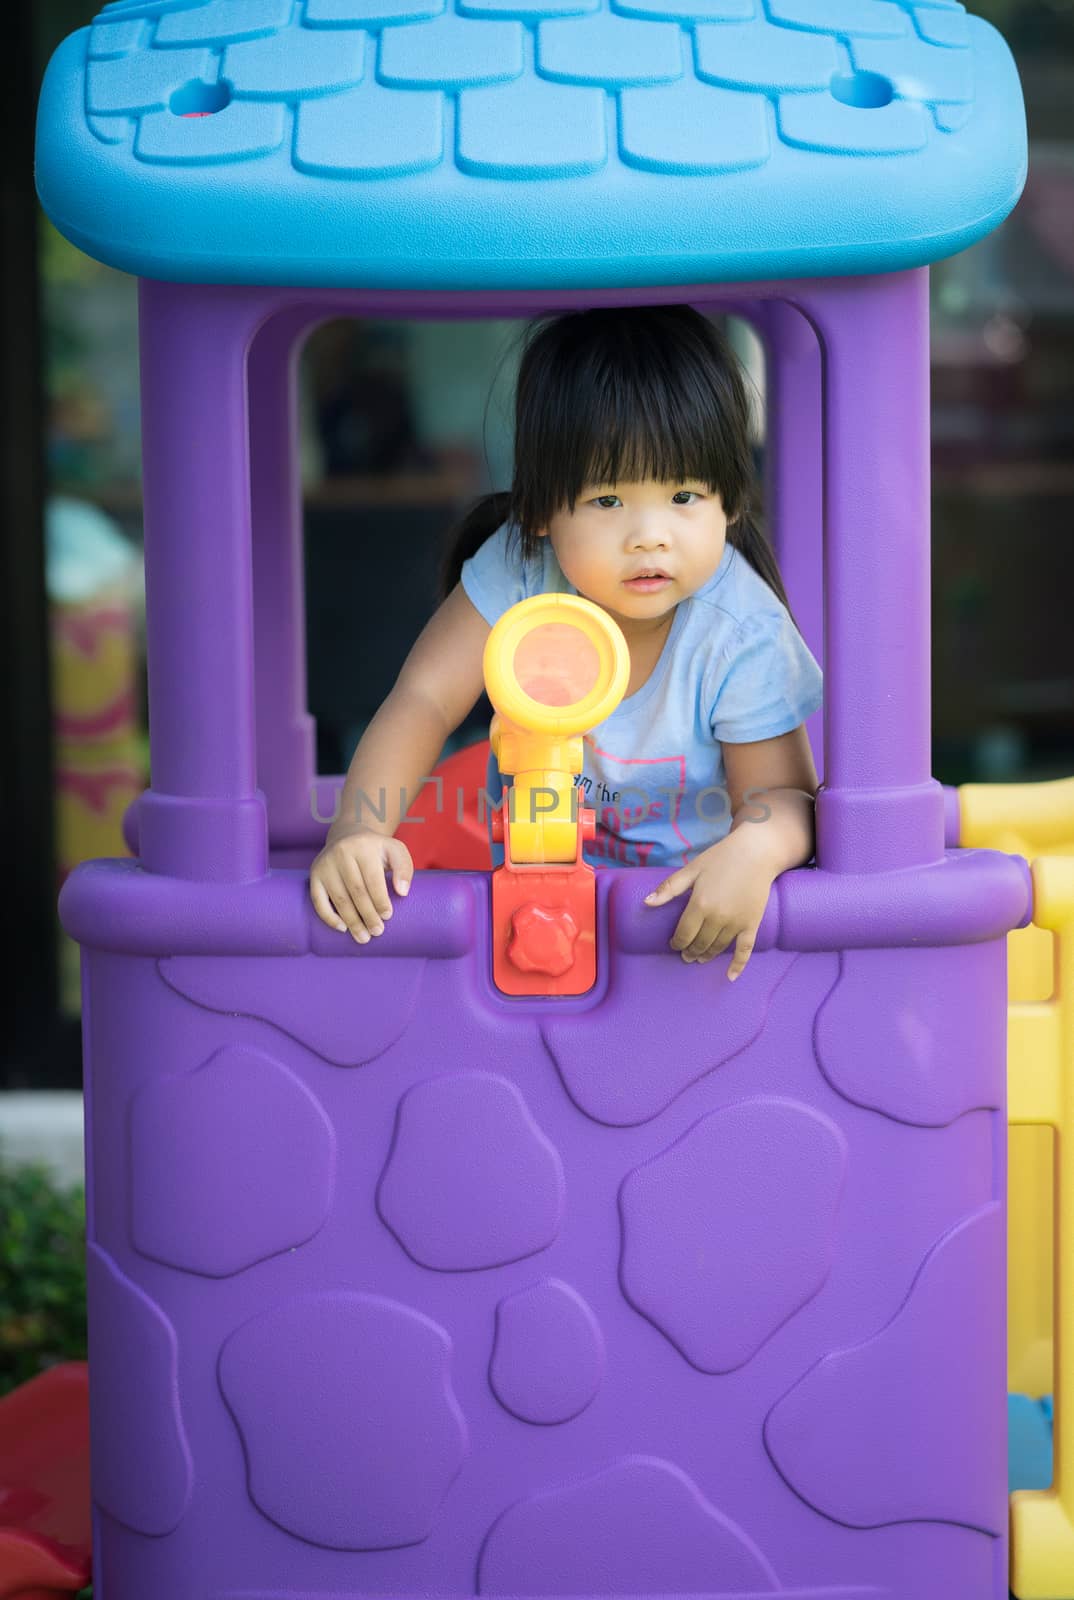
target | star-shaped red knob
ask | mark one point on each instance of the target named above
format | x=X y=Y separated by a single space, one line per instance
x=542 y=939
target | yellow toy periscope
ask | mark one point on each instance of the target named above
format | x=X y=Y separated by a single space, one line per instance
x=555 y=666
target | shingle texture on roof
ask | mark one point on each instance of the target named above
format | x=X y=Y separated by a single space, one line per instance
x=516 y=143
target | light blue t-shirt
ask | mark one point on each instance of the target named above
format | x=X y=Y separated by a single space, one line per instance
x=733 y=669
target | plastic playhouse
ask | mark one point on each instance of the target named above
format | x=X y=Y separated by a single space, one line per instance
x=401 y=1283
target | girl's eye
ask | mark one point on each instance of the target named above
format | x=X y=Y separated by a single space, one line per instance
x=606 y=501
x=683 y=497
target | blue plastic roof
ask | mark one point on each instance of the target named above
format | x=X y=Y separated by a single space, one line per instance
x=447 y=144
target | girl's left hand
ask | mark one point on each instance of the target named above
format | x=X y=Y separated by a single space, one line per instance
x=730 y=888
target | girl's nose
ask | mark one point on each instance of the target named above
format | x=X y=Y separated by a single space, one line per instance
x=648 y=534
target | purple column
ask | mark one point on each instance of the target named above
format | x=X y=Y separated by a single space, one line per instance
x=203 y=817
x=880 y=808
x=285 y=730
x=794 y=473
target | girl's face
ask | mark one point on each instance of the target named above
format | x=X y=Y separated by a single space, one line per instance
x=620 y=530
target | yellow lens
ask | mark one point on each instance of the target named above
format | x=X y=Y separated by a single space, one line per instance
x=556 y=664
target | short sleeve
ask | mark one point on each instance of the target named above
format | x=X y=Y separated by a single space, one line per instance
x=494 y=577
x=767 y=683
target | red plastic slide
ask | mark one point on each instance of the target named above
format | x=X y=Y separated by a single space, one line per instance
x=45 y=1486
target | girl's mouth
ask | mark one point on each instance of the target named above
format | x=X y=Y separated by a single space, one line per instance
x=646 y=585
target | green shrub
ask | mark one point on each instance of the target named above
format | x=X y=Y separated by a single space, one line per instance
x=42 y=1274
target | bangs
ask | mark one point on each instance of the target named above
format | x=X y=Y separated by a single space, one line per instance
x=631 y=406
x=628 y=438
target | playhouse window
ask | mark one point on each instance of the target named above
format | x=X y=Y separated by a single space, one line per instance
x=396 y=441
x=395 y=445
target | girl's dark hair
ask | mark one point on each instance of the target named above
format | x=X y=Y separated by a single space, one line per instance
x=616 y=396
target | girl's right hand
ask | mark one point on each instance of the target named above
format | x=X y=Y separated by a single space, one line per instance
x=347 y=883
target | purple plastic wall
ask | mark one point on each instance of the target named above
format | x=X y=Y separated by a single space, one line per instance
x=401 y=1287
x=398 y=1287
x=794 y=470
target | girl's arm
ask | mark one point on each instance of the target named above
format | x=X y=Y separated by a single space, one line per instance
x=439 y=684
x=772 y=785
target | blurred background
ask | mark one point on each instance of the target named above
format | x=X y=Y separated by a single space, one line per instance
x=399 y=433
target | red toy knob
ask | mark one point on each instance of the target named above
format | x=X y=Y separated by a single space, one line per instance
x=497 y=825
x=542 y=939
x=589 y=823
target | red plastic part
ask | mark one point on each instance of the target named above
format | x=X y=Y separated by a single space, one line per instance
x=45 y=1486
x=544 y=920
x=542 y=939
x=455 y=837
x=544 y=917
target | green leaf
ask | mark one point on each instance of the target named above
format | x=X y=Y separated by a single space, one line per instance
x=42 y=1274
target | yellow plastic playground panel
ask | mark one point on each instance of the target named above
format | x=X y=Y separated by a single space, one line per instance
x=1028 y=819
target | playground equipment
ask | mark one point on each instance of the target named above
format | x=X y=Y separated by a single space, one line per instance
x=44 y=1486
x=1030 y=819
x=401 y=1284
x=555 y=666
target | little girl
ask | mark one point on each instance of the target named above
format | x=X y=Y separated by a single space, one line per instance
x=632 y=487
